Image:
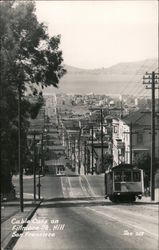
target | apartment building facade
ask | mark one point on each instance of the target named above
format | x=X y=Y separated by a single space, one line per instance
x=132 y=136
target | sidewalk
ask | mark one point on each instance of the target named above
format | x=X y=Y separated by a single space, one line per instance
x=25 y=177
x=10 y=212
x=147 y=199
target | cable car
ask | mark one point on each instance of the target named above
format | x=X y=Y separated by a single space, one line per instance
x=124 y=182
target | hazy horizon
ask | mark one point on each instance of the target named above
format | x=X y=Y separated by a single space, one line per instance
x=123 y=78
x=121 y=62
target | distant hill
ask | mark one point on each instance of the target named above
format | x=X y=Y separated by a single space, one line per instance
x=122 y=78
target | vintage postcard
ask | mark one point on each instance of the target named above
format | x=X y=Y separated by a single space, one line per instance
x=79 y=125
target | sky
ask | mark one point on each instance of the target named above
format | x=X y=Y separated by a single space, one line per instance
x=96 y=34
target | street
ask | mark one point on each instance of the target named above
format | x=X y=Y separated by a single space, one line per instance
x=75 y=215
x=79 y=125
x=69 y=186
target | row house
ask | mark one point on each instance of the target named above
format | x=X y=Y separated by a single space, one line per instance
x=119 y=111
x=71 y=145
x=107 y=127
x=132 y=136
x=55 y=151
x=93 y=156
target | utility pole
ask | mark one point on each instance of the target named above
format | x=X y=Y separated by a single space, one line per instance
x=42 y=152
x=131 y=143
x=71 y=151
x=152 y=79
x=34 y=169
x=101 y=118
x=85 y=156
x=42 y=165
x=39 y=185
x=79 y=152
x=74 y=153
x=20 y=164
x=68 y=145
x=92 y=150
x=102 y=138
x=121 y=109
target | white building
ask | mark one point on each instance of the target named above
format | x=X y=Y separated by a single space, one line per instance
x=134 y=132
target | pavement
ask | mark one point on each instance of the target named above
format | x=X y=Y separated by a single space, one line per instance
x=82 y=225
x=10 y=212
x=148 y=198
x=25 y=177
x=79 y=189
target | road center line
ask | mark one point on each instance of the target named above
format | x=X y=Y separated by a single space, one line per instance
x=89 y=186
x=70 y=187
x=63 y=188
x=82 y=187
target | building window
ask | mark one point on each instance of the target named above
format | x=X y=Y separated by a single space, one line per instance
x=115 y=129
x=140 y=138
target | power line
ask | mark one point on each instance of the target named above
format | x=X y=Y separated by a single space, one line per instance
x=129 y=88
x=136 y=92
x=133 y=77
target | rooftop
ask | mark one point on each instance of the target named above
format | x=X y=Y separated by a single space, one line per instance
x=56 y=147
x=138 y=117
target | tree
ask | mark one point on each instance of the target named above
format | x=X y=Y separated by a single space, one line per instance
x=143 y=161
x=30 y=60
x=107 y=162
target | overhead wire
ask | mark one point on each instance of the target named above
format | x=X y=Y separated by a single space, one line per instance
x=130 y=81
x=137 y=92
x=133 y=77
x=136 y=88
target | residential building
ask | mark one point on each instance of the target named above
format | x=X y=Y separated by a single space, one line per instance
x=133 y=132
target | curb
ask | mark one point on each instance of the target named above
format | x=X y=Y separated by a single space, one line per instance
x=13 y=240
x=146 y=203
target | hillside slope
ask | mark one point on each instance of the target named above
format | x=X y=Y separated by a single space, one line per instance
x=122 y=78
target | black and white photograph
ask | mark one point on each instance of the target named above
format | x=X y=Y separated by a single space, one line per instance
x=79 y=124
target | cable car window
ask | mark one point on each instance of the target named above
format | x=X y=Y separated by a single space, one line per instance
x=127 y=176
x=117 y=176
x=136 y=176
